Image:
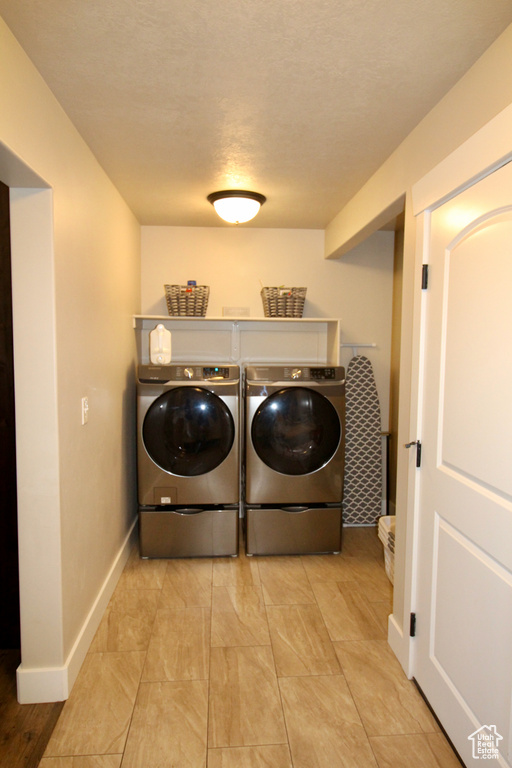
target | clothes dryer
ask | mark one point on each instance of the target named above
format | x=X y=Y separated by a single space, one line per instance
x=188 y=459
x=294 y=458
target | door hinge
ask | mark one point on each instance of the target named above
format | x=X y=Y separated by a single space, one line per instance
x=412 y=625
x=417 y=443
x=424 y=277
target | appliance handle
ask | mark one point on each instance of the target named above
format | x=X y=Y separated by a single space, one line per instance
x=332 y=389
x=219 y=385
x=295 y=383
x=188 y=511
x=295 y=510
x=223 y=383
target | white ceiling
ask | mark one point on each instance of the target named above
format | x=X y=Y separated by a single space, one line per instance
x=301 y=100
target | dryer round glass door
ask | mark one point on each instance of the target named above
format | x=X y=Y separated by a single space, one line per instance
x=188 y=431
x=296 y=431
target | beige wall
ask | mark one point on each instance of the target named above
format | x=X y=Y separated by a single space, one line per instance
x=483 y=92
x=236 y=262
x=76 y=283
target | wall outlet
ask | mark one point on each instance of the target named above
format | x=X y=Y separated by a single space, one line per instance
x=235 y=311
x=85 y=410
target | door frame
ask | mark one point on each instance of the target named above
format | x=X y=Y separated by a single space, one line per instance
x=483 y=153
x=43 y=674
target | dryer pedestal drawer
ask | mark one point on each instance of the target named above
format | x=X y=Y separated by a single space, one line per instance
x=188 y=532
x=293 y=530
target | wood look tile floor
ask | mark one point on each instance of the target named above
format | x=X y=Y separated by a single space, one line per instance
x=262 y=662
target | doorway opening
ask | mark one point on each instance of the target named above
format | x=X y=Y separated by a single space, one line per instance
x=9 y=565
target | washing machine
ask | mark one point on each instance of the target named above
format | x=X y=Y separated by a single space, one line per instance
x=294 y=458
x=188 y=459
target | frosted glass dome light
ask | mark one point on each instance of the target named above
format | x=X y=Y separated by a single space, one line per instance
x=236 y=206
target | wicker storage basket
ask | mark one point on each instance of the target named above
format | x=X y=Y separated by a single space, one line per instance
x=187 y=300
x=283 y=302
x=386 y=531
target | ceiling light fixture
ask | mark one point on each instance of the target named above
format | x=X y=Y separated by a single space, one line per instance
x=236 y=205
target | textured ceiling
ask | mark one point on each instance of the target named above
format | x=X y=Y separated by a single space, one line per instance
x=299 y=100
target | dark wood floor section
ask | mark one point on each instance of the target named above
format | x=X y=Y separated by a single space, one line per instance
x=24 y=728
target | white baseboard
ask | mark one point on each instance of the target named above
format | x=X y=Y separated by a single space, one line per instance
x=400 y=645
x=41 y=685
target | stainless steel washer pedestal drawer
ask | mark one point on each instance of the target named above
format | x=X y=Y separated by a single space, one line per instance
x=293 y=530
x=189 y=532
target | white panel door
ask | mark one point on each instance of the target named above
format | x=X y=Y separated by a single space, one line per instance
x=463 y=644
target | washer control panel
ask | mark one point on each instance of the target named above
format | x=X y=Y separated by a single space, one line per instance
x=188 y=372
x=216 y=373
x=205 y=372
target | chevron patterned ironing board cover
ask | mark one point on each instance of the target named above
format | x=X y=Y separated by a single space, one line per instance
x=362 y=498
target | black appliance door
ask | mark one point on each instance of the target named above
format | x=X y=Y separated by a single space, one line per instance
x=188 y=431
x=296 y=431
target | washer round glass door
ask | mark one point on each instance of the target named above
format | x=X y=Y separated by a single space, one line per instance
x=188 y=431
x=296 y=431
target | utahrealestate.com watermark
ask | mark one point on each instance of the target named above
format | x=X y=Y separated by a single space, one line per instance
x=485 y=743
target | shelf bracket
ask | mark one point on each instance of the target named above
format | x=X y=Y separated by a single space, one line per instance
x=235 y=342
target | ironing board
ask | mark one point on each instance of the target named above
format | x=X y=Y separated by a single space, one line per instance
x=362 y=503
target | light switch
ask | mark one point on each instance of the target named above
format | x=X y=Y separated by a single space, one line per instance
x=85 y=410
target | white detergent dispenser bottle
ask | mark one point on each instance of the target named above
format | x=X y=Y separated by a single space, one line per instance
x=160 y=345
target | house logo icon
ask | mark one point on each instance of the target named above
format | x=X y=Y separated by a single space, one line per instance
x=485 y=743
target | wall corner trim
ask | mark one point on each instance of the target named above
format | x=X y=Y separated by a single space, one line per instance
x=39 y=685
x=336 y=250
x=485 y=151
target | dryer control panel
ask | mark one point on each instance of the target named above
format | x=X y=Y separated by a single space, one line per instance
x=306 y=373
x=296 y=373
x=323 y=373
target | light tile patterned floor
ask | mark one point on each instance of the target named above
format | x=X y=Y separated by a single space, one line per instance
x=248 y=663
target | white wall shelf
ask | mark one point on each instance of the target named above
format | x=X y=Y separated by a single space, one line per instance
x=244 y=339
